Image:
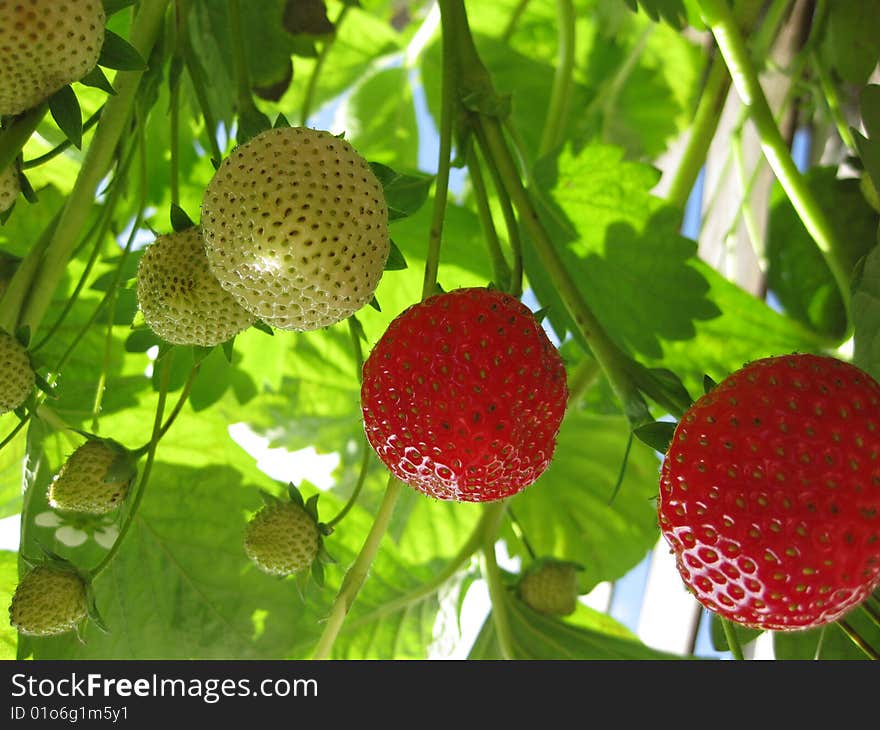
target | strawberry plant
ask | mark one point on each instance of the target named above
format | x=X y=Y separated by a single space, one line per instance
x=528 y=294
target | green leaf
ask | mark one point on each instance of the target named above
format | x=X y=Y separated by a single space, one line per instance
x=66 y=112
x=657 y=435
x=829 y=642
x=615 y=236
x=117 y=53
x=97 y=79
x=112 y=7
x=850 y=44
x=404 y=194
x=180 y=220
x=866 y=315
x=211 y=381
x=678 y=13
x=396 y=260
x=869 y=147
x=796 y=270
x=586 y=636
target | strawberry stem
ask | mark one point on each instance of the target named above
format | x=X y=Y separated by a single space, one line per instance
x=563 y=79
x=165 y=379
x=495 y=583
x=500 y=266
x=858 y=640
x=14 y=137
x=719 y=17
x=444 y=156
x=732 y=639
x=114 y=120
x=312 y=84
x=362 y=477
x=357 y=573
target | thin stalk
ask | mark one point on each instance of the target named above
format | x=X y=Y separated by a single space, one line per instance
x=732 y=639
x=701 y=133
x=429 y=588
x=495 y=583
x=832 y=99
x=175 y=412
x=510 y=223
x=563 y=79
x=14 y=432
x=141 y=146
x=59 y=148
x=358 y=487
x=102 y=228
x=357 y=573
x=114 y=119
x=240 y=62
x=444 y=155
x=14 y=137
x=22 y=280
x=500 y=266
x=720 y=20
x=521 y=534
x=356 y=348
x=582 y=379
x=515 y=16
x=604 y=349
x=145 y=475
x=312 y=86
x=857 y=639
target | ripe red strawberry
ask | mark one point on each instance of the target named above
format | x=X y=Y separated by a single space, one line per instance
x=463 y=396
x=770 y=493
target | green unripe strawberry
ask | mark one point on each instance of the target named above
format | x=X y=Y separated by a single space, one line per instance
x=550 y=587
x=9 y=187
x=282 y=538
x=44 y=46
x=17 y=377
x=296 y=228
x=49 y=600
x=95 y=478
x=179 y=296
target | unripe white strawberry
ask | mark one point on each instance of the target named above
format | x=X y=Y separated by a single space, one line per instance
x=9 y=188
x=44 y=46
x=49 y=600
x=282 y=538
x=17 y=376
x=296 y=228
x=95 y=478
x=179 y=296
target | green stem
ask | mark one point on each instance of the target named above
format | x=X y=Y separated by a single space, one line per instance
x=563 y=79
x=14 y=432
x=832 y=99
x=22 y=280
x=58 y=149
x=732 y=639
x=145 y=475
x=510 y=223
x=582 y=379
x=521 y=534
x=701 y=133
x=444 y=155
x=357 y=573
x=515 y=16
x=429 y=588
x=114 y=119
x=495 y=583
x=858 y=640
x=500 y=266
x=312 y=85
x=14 y=137
x=242 y=73
x=720 y=20
x=355 y=333
x=359 y=485
x=604 y=349
x=102 y=228
x=175 y=412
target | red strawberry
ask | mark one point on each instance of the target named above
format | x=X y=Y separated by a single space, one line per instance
x=770 y=493
x=463 y=396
